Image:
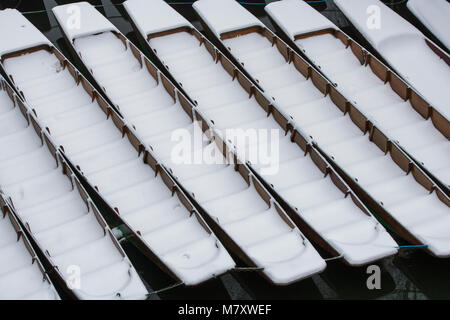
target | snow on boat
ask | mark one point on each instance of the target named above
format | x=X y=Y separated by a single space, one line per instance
x=22 y=276
x=250 y=220
x=139 y=192
x=414 y=57
x=48 y=199
x=314 y=195
x=343 y=133
x=383 y=97
x=434 y=16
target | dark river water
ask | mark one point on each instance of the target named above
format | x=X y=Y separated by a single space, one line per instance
x=412 y=274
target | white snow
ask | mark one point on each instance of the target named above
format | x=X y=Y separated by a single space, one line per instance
x=434 y=15
x=21 y=277
x=376 y=99
x=402 y=46
x=88 y=23
x=221 y=11
x=111 y=164
x=295 y=17
x=298 y=180
x=222 y=192
x=320 y=119
x=18 y=35
x=152 y=16
x=49 y=203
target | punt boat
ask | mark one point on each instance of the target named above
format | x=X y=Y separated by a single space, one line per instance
x=398 y=110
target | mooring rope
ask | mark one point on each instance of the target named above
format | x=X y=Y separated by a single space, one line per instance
x=412 y=246
x=165 y=289
x=334 y=258
x=247 y=269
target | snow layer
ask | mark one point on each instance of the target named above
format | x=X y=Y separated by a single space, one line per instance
x=402 y=45
x=49 y=203
x=18 y=35
x=21 y=273
x=89 y=22
x=295 y=17
x=221 y=11
x=220 y=190
x=153 y=16
x=298 y=180
x=352 y=150
x=434 y=15
x=375 y=98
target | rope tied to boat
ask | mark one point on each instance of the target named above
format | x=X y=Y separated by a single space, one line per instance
x=148 y=295
x=172 y=286
x=334 y=258
x=247 y=269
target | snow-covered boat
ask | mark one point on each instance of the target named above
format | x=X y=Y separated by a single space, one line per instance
x=399 y=190
x=399 y=111
x=413 y=56
x=434 y=15
x=314 y=195
x=142 y=197
x=22 y=276
x=249 y=220
x=85 y=258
